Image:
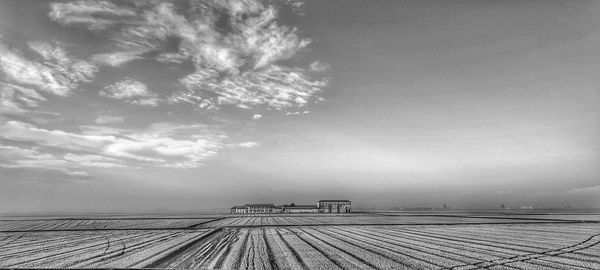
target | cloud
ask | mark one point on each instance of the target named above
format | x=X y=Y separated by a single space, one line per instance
x=13 y=153
x=158 y=144
x=275 y=86
x=256 y=116
x=88 y=158
x=94 y=161
x=20 y=131
x=317 y=66
x=17 y=157
x=67 y=70
x=57 y=73
x=127 y=88
x=296 y=5
x=170 y=57
x=92 y=14
x=131 y=91
x=17 y=99
x=248 y=144
x=107 y=119
x=161 y=144
x=297 y=113
x=236 y=48
x=116 y=59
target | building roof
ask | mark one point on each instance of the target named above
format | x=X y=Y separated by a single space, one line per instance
x=239 y=207
x=334 y=201
x=259 y=205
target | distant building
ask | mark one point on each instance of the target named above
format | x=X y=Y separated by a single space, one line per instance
x=239 y=210
x=300 y=209
x=260 y=208
x=334 y=206
x=323 y=206
x=257 y=208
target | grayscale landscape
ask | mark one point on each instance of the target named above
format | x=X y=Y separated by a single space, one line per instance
x=299 y=134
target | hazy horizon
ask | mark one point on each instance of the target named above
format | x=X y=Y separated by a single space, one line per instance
x=192 y=106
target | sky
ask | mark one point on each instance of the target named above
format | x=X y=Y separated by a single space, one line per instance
x=195 y=106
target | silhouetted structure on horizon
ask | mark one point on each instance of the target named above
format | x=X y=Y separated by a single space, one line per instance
x=322 y=206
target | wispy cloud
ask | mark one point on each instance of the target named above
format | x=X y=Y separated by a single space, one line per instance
x=94 y=161
x=131 y=91
x=317 y=66
x=92 y=14
x=107 y=119
x=248 y=144
x=297 y=113
x=18 y=99
x=236 y=48
x=14 y=153
x=164 y=144
x=172 y=58
x=58 y=73
x=20 y=131
x=17 y=157
x=116 y=59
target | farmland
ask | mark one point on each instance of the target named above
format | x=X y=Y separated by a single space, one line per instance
x=356 y=241
x=94 y=224
x=312 y=220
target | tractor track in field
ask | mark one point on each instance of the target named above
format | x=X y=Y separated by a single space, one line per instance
x=587 y=243
x=320 y=241
x=319 y=249
x=173 y=254
x=84 y=249
x=295 y=253
x=270 y=254
x=374 y=247
x=414 y=244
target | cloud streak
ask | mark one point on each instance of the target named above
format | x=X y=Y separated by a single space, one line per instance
x=18 y=99
x=107 y=119
x=116 y=59
x=94 y=15
x=163 y=145
x=23 y=80
x=17 y=157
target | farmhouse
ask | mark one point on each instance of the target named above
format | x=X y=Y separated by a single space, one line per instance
x=322 y=206
x=334 y=206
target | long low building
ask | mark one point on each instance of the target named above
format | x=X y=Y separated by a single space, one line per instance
x=300 y=209
x=322 y=206
x=334 y=206
x=256 y=208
